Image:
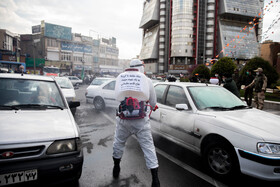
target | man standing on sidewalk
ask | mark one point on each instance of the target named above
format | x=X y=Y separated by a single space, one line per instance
x=260 y=83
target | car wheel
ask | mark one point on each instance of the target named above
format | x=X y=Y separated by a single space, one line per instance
x=99 y=103
x=221 y=160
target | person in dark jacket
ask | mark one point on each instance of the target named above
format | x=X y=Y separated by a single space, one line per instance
x=230 y=85
x=248 y=95
x=260 y=84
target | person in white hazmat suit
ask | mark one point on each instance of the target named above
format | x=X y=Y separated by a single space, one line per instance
x=129 y=121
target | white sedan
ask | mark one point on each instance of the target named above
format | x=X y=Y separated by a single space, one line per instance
x=75 y=80
x=67 y=90
x=212 y=122
x=101 y=93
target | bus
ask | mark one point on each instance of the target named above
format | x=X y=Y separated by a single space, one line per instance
x=51 y=71
x=10 y=66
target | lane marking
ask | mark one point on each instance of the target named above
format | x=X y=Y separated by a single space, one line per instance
x=108 y=117
x=191 y=169
x=179 y=163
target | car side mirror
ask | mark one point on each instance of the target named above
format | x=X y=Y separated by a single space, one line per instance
x=182 y=107
x=74 y=104
x=76 y=87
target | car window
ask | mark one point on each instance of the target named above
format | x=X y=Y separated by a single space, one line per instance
x=98 y=81
x=29 y=92
x=110 y=86
x=160 y=89
x=176 y=95
x=207 y=97
x=64 y=83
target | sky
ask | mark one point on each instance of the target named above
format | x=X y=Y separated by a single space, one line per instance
x=103 y=18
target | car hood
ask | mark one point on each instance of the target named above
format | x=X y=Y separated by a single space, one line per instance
x=35 y=126
x=68 y=93
x=251 y=121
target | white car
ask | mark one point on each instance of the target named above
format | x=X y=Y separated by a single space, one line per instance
x=75 y=80
x=68 y=90
x=212 y=122
x=101 y=93
x=39 y=138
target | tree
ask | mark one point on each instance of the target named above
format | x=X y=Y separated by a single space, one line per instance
x=268 y=70
x=224 y=66
x=202 y=71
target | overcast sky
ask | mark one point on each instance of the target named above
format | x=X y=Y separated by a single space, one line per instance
x=106 y=18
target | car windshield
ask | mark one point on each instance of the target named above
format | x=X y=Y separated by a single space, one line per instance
x=23 y=94
x=208 y=97
x=64 y=83
x=98 y=81
x=51 y=70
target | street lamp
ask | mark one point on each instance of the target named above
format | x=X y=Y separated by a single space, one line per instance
x=95 y=32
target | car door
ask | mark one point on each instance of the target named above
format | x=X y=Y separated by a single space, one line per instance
x=160 y=90
x=177 y=123
x=108 y=93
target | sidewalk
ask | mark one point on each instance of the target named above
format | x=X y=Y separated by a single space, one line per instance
x=271 y=105
x=268 y=105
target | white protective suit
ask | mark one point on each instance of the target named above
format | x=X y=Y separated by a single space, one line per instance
x=141 y=129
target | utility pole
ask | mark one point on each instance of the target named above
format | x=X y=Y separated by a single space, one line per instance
x=34 y=63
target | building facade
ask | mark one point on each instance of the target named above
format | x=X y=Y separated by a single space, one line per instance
x=71 y=52
x=270 y=51
x=180 y=33
x=10 y=51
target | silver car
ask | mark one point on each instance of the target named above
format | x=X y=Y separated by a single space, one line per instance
x=212 y=122
x=39 y=138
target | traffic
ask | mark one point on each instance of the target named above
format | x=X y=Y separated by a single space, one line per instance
x=40 y=136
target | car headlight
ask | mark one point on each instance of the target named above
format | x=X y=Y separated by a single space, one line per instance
x=269 y=148
x=63 y=146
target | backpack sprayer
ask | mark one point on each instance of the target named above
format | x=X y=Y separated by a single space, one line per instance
x=131 y=108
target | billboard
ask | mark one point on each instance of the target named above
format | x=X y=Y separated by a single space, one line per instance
x=36 y=29
x=76 y=47
x=57 y=31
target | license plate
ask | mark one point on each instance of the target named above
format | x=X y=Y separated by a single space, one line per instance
x=17 y=177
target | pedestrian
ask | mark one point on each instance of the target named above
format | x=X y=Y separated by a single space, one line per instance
x=21 y=69
x=248 y=95
x=171 y=78
x=260 y=84
x=236 y=79
x=230 y=85
x=132 y=117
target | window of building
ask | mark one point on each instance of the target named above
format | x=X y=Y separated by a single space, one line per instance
x=52 y=43
x=78 y=59
x=66 y=56
x=8 y=44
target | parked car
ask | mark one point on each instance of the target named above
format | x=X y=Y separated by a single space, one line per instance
x=68 y=90
x=39 y=138
x=75 y=80
x=101 y=93
x=212 y=122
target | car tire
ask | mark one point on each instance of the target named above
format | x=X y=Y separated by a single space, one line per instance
x=221 y=160
x=99 y=103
